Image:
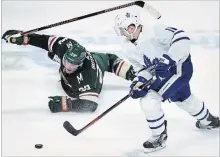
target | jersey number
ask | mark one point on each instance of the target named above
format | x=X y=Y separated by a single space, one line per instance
x=85 y=88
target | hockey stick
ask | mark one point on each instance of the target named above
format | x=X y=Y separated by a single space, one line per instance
x=68 y=126
x=141 y=4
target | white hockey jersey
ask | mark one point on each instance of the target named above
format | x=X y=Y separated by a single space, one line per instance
x=155 y=42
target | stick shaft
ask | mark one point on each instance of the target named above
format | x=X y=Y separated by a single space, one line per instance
x=79 y=18
x=104 y=113
x=68 y=126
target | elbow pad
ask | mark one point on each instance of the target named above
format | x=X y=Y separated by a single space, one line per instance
x=82 y=105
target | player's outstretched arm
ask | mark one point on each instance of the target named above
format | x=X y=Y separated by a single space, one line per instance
x=42 y=41
x=50 y=43
x=14 y=37
x=120 y=67
x=67 y=104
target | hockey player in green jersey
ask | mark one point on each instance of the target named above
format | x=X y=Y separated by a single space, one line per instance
x=81 y=71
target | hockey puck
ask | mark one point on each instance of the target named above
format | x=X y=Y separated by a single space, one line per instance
x=38 y=146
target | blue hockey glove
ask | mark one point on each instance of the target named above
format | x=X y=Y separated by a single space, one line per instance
x=165 y=67
x=137 y=90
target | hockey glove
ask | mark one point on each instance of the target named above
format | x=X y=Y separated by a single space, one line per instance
x=137 y=90
x=165 y=67
x=14 y=37
x=59 y=104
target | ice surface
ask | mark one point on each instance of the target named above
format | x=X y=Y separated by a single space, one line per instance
x=29 y=77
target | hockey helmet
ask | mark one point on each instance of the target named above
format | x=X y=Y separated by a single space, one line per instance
x=74 y=55
x=124 y=20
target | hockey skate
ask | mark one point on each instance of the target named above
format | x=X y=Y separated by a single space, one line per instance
x=156 y=142
x=215 y=123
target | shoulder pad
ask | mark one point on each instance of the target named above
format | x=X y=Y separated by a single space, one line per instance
x=162 y=35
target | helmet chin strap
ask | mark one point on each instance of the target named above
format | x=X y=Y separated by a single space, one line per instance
x=130 y=36
x=133 y=40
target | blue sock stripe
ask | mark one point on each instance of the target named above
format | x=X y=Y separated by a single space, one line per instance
x=156 y=119
x=207 y=112
x=156 y=127
x=203 y=106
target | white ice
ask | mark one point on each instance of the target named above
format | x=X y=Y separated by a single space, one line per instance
x=29 y=77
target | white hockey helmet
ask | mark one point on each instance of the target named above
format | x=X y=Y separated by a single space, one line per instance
x=124 y=20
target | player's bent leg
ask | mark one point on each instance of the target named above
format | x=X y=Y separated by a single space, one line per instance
x=151 y=106
x=197 y=109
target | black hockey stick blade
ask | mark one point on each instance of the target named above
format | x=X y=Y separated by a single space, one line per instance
x=70 y=128
x=75 y=132
x=140 y=3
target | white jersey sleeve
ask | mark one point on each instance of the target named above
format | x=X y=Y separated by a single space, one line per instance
x=136 y=65
x=135 y=59
x=179 y=46
x=175 y=41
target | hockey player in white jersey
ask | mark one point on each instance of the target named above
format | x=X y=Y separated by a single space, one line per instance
x=163 y=56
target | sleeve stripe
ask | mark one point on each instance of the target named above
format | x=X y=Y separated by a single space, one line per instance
x=180 y=31
x=170 y=30
x=96 y=95
x=51 y=42
x=89 y=94
x=119 y=69
x=90 y=97
x=178 y=39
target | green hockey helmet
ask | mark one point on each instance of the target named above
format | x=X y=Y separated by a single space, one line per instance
x=74 y=55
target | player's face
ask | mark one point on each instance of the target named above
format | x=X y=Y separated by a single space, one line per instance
x=70 y=68
x=131 y=29
x=127 y=32
x=131 y=32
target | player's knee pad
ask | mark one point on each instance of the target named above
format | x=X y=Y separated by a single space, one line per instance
x=192 y=105
x=151 y=105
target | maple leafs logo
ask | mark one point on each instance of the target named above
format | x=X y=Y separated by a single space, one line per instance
x=150 y=65
x=127 y=15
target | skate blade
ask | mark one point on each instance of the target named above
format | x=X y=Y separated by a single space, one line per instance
x=150 y=150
